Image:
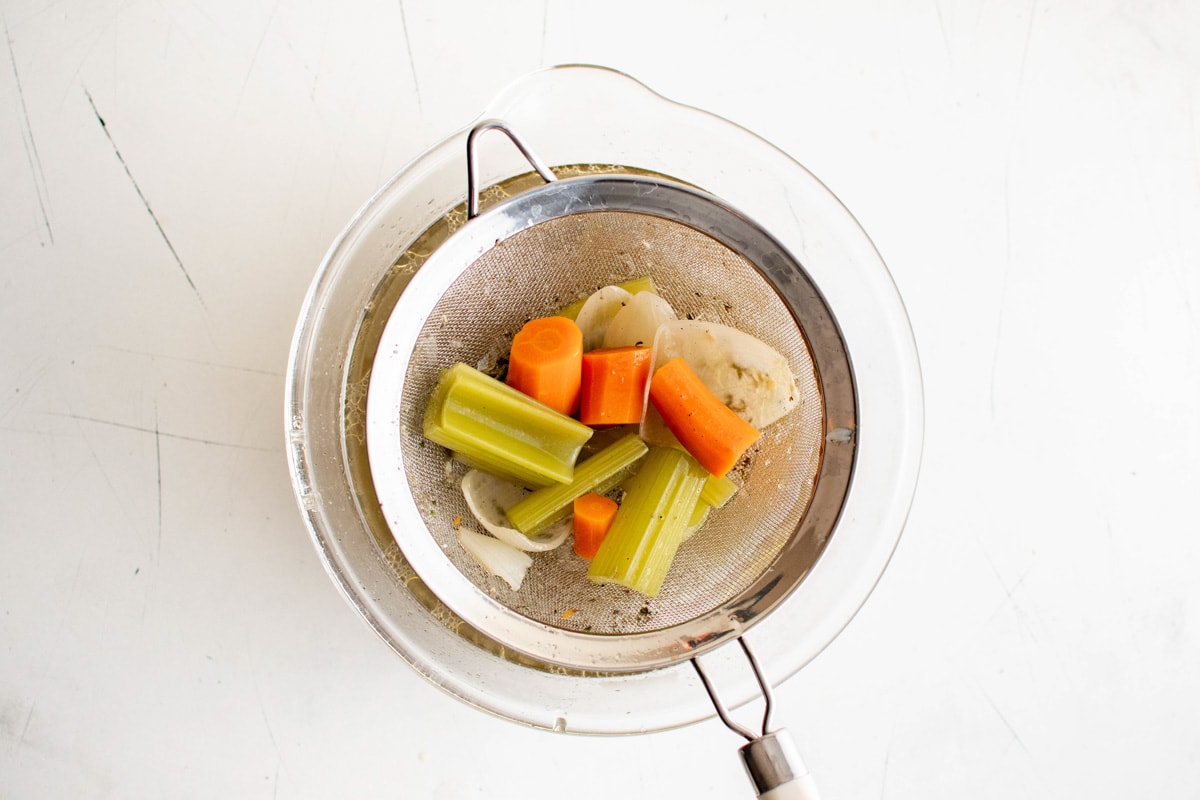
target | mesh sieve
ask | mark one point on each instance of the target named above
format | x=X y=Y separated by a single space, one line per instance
x=537 y=272
x=531 y=256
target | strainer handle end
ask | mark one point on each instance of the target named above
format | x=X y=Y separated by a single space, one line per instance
x=771 y=759
x=776 y=769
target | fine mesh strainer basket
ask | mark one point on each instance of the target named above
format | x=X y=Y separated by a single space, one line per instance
x=424 y=278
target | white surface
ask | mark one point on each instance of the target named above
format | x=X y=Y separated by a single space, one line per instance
x=1031 y=174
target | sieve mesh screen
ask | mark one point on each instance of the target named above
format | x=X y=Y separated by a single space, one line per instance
x=538 y=271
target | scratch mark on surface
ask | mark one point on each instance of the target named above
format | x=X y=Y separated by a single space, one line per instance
x=25 y=387
x=1008 y=210
x=545 y=18
x=104 y=473
x=164 y=434
x=158 y=478
x=262 y=709
x=1008 y=589
x=1028 y=39
x=270 y=732
x=1169 y=255
x=75 y=581
x=254 y=58
x=25 y=727
x=1003 y=297
x=152 y=355
x=1016 y=736
x=145 y=202
x=31 y=151
x=1010 y=598
x=30 y=432
x=412 y=64
x=941 y=18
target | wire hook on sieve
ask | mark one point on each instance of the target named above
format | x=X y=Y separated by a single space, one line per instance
x=472 y=169
x=723 y=713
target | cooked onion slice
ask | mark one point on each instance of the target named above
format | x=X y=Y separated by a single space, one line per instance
x=636 y=323
x=746 y=373
x=598 y=311
x=502 y=560
x=489 y=497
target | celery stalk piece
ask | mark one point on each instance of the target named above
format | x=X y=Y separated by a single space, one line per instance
x=599 y=474
x=492 y=426
x=642 y=284
x=649 y=526
x=698 y=518
x=718 y=491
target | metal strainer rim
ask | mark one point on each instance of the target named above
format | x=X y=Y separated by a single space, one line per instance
x=628 y=652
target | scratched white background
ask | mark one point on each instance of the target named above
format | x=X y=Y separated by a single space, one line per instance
x=171 y=174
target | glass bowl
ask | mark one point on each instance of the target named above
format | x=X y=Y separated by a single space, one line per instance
x=596 y=120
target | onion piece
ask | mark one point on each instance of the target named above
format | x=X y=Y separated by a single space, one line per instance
x=489 y=497
x=598 y=311
x=502 y=560
x=637 y=322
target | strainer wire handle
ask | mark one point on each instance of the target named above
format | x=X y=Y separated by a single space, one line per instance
x=472 y=167
x=772 y=763
x=763 y=685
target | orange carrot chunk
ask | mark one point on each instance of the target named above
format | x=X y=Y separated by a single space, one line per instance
x=713 y=434
x=545 y=362
x=613 y=390
x=594 y=514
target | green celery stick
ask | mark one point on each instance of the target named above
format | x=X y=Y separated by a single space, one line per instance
x=643 y=284
x=599 y=474
x=698 y=518
x=659 y=502
x=491 y=425
x=717 y=491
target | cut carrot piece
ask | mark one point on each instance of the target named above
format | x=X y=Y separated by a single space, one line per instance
x=713 y=434
x=546 y=362
x=613 y=390
x=594 y=514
